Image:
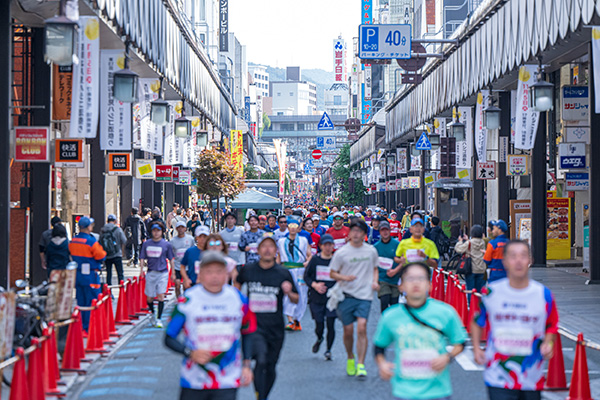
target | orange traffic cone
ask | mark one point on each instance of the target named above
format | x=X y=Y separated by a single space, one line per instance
x=50 y=363
x=556 y=379
x=94 y=341
x=580 y=380
x=19 y=388
x=35 y=372
x=122 y=317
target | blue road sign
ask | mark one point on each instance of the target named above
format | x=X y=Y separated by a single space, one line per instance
x=423 y=143
x=384 y=41
x=325 y=123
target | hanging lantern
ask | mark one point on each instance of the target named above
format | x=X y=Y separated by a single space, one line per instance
x=60 y=40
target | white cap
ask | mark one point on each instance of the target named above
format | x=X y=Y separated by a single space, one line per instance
x=202 y=230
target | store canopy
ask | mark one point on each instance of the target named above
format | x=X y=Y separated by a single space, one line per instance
x=252 y=198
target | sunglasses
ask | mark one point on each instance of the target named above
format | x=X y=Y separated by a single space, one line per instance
x=338 y=218
x=293 y=225
x=214 y=243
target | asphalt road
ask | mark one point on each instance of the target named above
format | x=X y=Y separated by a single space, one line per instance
x=144 y=369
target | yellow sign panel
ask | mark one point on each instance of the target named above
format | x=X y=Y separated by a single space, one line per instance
x=464 y=173
x=558 y=228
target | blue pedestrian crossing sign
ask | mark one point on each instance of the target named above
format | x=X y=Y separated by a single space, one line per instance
x=423 y=143
x=325 y=123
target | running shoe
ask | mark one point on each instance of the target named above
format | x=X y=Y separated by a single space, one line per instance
x=361 y=372
x=290 y=326
x=327 y=355
x=159 y=325
x=351 y=367
x=297 y=326
x=152 y=320
x=317 y=345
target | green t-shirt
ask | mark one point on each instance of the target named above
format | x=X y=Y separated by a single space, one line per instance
x=416 y=345
x=386 y=252
x=409 y=247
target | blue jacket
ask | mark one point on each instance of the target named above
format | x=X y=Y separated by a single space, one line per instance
x=495 y=252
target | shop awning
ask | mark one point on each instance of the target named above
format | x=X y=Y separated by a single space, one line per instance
x=252 y=198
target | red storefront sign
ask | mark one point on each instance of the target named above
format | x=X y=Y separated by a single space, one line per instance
x=164 y=173
x=32 y=144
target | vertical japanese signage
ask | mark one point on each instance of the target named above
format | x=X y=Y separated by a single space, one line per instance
x=559 y=228
x=115 y=124
x=464 y=149
x=223 y=25
x=237 y=150
x=339 y=60
x=68 y=153
x=401 y=155
x=62 y=88
x=280 y=152
x=480 y=129
x=86 y=77
x=596 y=64
x=366 y=18
x=173 y=147
x=32 y=144
x=526 y=119
x=146 y=135
x=119 y=164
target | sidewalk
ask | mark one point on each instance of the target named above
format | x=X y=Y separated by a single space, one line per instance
x=578 y=303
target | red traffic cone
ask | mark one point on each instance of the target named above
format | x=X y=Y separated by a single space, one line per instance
x=142 y=298
x=35 y=371
x=464 y=307
x=129 y=296
x=19 y=388
x=136 y=295
x=112 y=329
x=71 y=360
x=49 y=366
x=580 y=380
x=54 y=350
x=440 y=286
x=122 y=317
x=433 y=286
x=448 y=296
x=556 y=379
x=94 y=341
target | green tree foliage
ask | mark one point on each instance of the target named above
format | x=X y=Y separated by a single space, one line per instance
x=341 y=173
x=251 y=173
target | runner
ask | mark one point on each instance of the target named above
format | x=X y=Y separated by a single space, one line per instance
x=154 y=255
x=217 y=325
x=294 y=254
x=267 y=283
x=283 y=228
x=180 y=244
x=523 y=322
x=249 y=240
x=191 y=258
x=395 y=225
x=308 y=227
x=420 y=330
x=495 y=251
x=317 y=228
x=417 y=248
x=324 y=218
x=374 y=235
x=262 y=222
x=232 y=235
x=215 y=242
x=271 y=223
x=339 y=231
x=389 y=270
x=318 y=279
x=354 y=266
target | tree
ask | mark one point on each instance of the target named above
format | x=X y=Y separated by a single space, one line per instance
x=266 y=124
x=251 y=172
x=216 y=177
x=341 y=173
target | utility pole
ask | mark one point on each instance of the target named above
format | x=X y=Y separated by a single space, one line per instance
x=5 y=76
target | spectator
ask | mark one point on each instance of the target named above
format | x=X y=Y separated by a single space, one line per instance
x=57 y=250
x=112 y=240
x=135 y=231
x=45 y=239
x=474 y=248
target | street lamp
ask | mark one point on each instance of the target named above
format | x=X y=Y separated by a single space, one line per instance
x=60 y=38
x=159 y=108
x=183 y=126
x=125 y=82
x=202 y=138
x=541 y=93
x=435 y=142
x=457 y=130
x=413 y=150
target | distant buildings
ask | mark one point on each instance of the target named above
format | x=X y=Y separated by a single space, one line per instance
x=293 y=96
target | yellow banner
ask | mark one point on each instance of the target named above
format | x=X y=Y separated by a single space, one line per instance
x=237 y=150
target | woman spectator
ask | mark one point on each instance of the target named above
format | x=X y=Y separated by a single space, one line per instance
x=193 y=223
x=474 y=248
x=57 y=251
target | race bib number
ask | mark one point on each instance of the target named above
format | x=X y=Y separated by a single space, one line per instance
x=253 y=247
x=85 y=269
x=216 y=336
x=197 y=267
x=313 y=251
x=323 y=273
x=263 y=302
x=513 y=341
x=338 y=243
x=233 y=246
x=412 y=255
x=180 y=253
x=153 y=251
x=416 y=363
x=385 y=263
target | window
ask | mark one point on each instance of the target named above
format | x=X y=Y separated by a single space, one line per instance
x=256 y=76
x=287 y=127
x=337 y=100
x=278 y=93
x=279 y=112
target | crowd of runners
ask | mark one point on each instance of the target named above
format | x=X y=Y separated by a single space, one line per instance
x=241 y=288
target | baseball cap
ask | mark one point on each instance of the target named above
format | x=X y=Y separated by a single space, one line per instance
x=262 y=217
x=267 y=237
x=326 y=238
x=230 y=214
x=384 y=225
x=338 y=214
x=324 y=209
x=84 y=222
x=156 y=226
x=359 y=223
x=501 y=224
x=180 y=223
x=212 y=257
x=316 y=217
x=416 y=221
x=393 y=213
x=287 y=206
x=111 y=217
x=202 y=230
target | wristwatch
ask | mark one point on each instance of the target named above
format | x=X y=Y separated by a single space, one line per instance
x=450 y=356
x=187 y=352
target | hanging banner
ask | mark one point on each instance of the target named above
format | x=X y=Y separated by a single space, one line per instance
x=575 y=103
x=414 y=182
x=173 y=148
x=405 y=183
x=119 y=164
x=68 y=153
x=62 y=90
x=480 y=129
x=415 y=163
x=526 y=119
x=32 y=144
x=280 y=152
x=401 y=158
x=237 y=151
x=190 y=144
x=145 y=169
x=86 y=80
x=513 y=114
x=147 y=136
x=464 y=149
x=115 y=124
x=596 y=64
x=559 y=229
x=439 y=126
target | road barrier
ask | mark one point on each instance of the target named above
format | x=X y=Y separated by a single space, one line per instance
x=42 y=377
